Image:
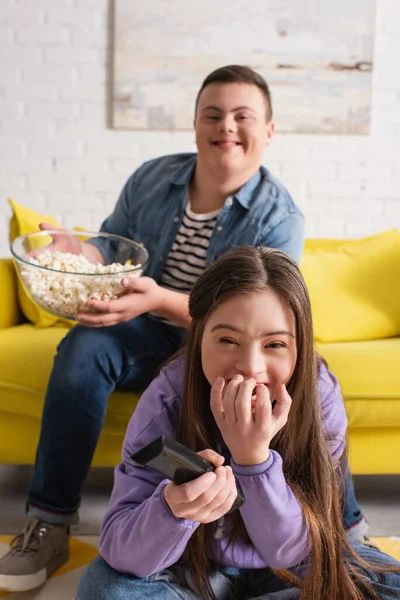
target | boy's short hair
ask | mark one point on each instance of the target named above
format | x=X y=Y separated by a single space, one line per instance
x=238 y=74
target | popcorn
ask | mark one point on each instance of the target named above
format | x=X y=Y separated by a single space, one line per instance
x=67 y=292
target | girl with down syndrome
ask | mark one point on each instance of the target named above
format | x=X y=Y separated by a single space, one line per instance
x=251 y=396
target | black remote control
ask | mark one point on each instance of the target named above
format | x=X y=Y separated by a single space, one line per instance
x=177 y=463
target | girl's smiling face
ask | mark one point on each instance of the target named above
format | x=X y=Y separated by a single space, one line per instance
x=253 y=335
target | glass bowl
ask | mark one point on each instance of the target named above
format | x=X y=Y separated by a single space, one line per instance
x=57 y=276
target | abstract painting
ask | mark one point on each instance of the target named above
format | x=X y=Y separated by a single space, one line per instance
x=316 y=55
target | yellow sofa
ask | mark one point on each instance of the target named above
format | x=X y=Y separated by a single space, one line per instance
x=369 y=373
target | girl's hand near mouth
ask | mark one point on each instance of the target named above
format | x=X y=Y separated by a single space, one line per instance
x=246 y=418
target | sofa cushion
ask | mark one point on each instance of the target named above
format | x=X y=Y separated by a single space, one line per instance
x=25 y=220
x=26 y=359
x=9 y=310
x=354 y=288
x=369 y=376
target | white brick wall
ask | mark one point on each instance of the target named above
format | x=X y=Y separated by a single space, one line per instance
x=58 y=156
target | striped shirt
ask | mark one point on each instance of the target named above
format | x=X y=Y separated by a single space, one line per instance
x=187 y=258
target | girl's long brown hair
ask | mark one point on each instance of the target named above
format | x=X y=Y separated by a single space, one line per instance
x=307 y=464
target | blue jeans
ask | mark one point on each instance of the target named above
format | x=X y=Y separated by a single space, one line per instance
x=89 y=365
x=354 y=522
x=101 y=582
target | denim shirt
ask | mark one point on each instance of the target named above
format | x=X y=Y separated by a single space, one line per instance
x=151 y=206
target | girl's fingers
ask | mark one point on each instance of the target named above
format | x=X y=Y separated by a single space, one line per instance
x=243 y=401
x=229 y=399
x=205 y=499
x=281 y=409
x=216 y=402
x=263 y=407
x=183 y=499
x=224 y=501
x=190 y=492
x=209 y=499
x=198 y=496
x=216 y=459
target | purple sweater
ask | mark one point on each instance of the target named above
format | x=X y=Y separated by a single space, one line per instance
x=141 y=536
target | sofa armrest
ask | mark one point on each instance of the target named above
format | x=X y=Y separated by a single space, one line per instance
x=10 y=313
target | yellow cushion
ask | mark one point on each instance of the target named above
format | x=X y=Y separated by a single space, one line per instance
x=374 y=450
x=25 y=220
x=311 y=244
x=355 y=288
x=23 y=393
x=26 y=359
x=369 y=377
x=9 y=310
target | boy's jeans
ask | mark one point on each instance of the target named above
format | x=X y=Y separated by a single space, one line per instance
x=89 y=365
x=354 y=521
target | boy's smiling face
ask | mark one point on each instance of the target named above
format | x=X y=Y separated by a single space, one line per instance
x=231 y=126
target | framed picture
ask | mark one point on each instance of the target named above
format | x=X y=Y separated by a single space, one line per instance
x=316 y=56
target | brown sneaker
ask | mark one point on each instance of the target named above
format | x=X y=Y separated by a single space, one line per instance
x=36 y=552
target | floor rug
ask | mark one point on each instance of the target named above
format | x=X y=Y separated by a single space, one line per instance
x=62 y=585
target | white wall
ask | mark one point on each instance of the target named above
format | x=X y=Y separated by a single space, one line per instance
x=58 y=156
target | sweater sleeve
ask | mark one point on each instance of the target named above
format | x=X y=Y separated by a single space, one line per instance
x=333 y=411
x=140 y=535
x=272 y=514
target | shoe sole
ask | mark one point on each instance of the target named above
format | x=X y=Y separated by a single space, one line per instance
x=24 y=583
